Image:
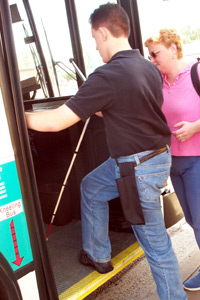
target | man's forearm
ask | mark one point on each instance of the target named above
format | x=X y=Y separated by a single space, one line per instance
x=51 y=120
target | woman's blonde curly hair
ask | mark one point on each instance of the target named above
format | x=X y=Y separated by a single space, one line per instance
x=167 y=37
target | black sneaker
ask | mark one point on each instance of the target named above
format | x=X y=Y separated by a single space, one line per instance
x=100 y=267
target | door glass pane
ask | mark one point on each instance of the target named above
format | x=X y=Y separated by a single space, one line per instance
x=21 y=28
x=182 y=15
x=51 y=22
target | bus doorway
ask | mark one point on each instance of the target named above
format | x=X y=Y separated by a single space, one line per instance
x=43 y=83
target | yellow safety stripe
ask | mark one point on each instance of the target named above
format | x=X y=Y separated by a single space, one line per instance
x=91 y=282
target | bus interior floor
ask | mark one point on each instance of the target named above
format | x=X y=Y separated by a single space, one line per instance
x=64 y=244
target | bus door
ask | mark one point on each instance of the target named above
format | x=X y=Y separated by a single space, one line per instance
x=24 y=263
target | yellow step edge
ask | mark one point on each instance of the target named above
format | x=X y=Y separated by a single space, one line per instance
x=94 y=280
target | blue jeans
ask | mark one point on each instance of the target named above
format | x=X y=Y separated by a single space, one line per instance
x=99 y=186
x=185 y=176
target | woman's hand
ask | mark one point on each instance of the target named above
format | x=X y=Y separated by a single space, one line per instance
x=187 y=130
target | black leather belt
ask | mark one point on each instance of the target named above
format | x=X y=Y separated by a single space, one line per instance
x=152 y=154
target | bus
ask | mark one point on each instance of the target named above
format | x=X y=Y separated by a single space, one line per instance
x=46 y=52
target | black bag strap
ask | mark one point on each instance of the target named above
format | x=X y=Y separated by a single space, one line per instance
x=195 y=77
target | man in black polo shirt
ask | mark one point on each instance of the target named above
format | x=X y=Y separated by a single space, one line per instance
x=127 y=90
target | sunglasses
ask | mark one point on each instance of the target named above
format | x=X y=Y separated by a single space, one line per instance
x=153 y=54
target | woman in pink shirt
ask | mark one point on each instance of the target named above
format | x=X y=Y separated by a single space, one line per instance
x=182 y=110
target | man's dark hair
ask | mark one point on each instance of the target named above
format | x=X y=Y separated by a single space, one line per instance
x=113 y=17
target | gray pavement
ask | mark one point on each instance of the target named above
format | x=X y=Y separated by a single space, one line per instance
x=136 y=283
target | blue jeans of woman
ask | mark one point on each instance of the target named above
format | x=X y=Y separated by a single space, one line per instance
x=99 y=186
x=185 y=176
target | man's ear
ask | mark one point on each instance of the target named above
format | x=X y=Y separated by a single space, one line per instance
x=104 y=33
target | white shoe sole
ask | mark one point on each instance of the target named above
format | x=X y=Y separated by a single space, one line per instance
x=192 y=289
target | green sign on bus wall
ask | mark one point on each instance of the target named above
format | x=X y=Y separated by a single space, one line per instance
x=15 y=243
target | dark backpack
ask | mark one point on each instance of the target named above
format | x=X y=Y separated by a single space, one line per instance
x=195 y=77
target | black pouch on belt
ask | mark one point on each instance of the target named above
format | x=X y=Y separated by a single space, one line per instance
x=128 y=194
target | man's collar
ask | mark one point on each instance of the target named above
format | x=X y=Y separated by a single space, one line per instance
x=126 y=53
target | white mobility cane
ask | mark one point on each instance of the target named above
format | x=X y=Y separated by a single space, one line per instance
x=73 y=158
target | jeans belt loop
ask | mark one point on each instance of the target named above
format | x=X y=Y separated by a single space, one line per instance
x=168 y=147
x=137 y=160
x=116 y=162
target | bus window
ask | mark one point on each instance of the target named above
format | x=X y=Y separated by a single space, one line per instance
x=21 y=30
x=52 y=27
x=157 y=14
